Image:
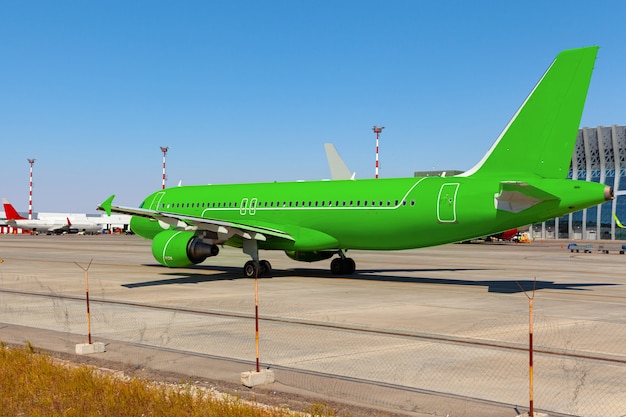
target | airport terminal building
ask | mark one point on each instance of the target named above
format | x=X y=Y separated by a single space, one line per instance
x=599 y=156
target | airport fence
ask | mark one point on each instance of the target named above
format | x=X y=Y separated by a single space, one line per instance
x=392 y=368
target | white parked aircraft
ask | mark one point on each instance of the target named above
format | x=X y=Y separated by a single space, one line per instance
x=57 y=226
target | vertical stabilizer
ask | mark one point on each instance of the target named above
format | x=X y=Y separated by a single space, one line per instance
x=10 y=212
x=338 y=169
x=540 y=138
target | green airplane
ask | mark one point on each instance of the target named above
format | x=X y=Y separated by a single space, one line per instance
x=521 y=180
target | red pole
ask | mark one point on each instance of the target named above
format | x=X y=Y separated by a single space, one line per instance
x=30 y=192
x=256 y=315
x=531 y=412
x=86 y=270
x=377 y=130
x=530 y=351
x=164 y=150
x=88 y=313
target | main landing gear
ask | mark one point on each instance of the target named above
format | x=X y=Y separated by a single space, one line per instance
x=255 y=267
x=342 y=265
x=261 y=268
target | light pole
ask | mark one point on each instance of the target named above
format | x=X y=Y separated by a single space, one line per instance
x=377 y=130
x=31 y=161
x=164 y=150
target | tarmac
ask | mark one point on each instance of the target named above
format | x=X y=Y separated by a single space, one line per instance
x=440 y=331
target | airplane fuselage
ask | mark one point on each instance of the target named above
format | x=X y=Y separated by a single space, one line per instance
x=377 y=214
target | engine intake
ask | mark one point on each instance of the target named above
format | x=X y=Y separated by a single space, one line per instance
x=180 y=249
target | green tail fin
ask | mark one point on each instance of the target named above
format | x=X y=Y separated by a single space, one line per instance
x=540 y=139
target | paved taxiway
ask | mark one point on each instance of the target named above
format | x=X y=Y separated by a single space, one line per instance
x=434 y=331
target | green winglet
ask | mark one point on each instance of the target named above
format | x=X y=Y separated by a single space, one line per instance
x=617 y=222
x=106 y=205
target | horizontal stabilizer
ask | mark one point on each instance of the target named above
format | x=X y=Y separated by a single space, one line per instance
x=517 y=196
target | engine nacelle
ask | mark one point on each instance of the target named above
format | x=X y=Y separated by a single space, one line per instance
x=179 y=249
x=313 y=256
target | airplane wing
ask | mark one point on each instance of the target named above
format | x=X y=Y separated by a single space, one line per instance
x=196 y=223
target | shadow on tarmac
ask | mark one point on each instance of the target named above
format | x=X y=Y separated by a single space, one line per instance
x=386 y=275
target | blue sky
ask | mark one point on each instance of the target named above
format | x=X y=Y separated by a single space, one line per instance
x=246 y=91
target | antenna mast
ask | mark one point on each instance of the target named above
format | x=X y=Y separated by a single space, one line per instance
x=377 y=130
x=31 y=161
x=164 y=150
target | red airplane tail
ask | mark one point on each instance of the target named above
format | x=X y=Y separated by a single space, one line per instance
x=10 y=211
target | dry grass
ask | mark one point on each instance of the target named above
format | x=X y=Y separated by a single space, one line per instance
x=34 y=384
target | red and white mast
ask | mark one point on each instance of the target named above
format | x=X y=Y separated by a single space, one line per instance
x=31 y=161
x=377 y=130
x=164 y=150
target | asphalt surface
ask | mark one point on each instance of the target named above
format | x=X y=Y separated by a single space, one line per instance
x=436 y=331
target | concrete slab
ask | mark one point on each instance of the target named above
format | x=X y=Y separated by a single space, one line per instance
x=89 y=348
x=253 y=378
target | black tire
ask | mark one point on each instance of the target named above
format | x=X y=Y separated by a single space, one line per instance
x=336 y=266
x=266 y=268
x=251 y=269
x=349 y=266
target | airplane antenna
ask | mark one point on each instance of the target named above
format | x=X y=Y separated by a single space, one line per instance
x=31 y=161
x=377 y=130
x=164 y=150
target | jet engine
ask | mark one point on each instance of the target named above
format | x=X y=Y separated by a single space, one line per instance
x=180 y=249
x=313 y=256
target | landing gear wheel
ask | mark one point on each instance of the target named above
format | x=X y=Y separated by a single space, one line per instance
x=266 y=268
x=251 y=269
x=336 y=266
x=350 y=266
x=340 y=266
